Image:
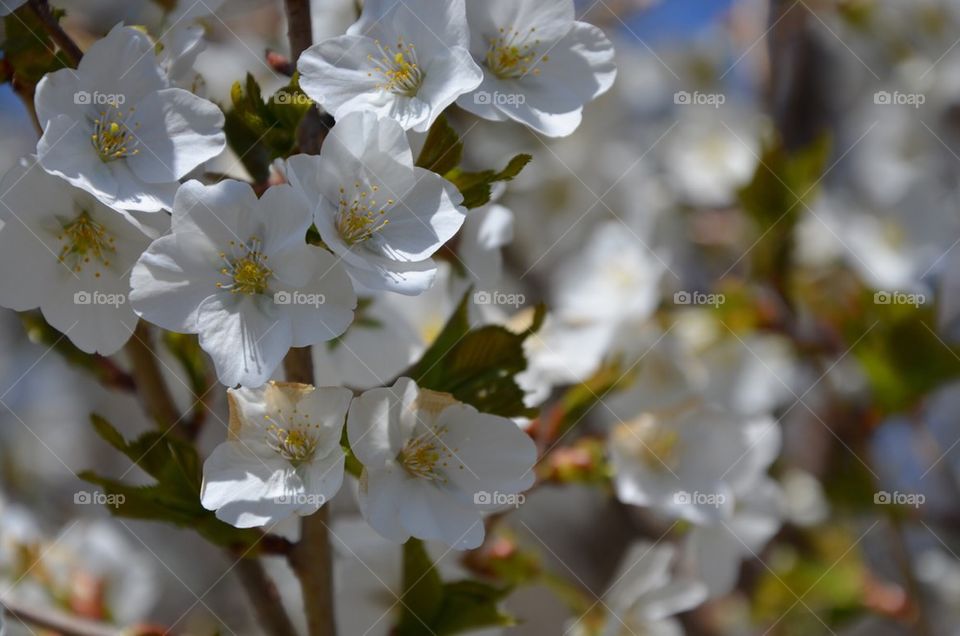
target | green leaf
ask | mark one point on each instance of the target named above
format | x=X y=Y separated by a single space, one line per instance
x=27 y=48
x=442 y=151
x=476 y=187
x=422 y=590
x=478 y=366
x=259 y=130
x=175 y=496
x=470 y=605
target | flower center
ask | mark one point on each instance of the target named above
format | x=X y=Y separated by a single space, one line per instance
x=247 y=273
x=426 y=456
x=658 y=448
x=296 y=445
x=360 y=217
x=510 y=56
x=112 y=136
x=84 y=240
x=401 y=72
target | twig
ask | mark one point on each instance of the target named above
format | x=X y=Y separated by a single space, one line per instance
x=56 y=33
x=299 y=27
x=151 y=385
x=57 y=622
x=265 y=598
x=311 y=558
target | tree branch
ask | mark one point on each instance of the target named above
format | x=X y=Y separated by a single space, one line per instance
x=263 y=593
x=56 y=32
x=299 y=27
x=151 y=385
x=311 y=558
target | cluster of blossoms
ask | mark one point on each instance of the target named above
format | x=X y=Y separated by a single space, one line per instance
x=130 y=229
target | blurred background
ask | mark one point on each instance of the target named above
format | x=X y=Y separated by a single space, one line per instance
x=762 y=214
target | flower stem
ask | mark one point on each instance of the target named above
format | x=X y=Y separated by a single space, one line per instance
x=311 y=558
x=265 y=598
x=56 y=32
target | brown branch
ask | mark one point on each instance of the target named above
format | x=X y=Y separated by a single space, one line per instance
x=56 y=32
x=299 y=27
x=151 y=385
x=266 y=600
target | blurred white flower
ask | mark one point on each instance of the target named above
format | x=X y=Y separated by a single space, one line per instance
x=282 y=455
x=405 y=60
x=616 y=278
x=645 y=595
x=541 y=66
x=485 y=233
x=691 y=463
x=432 y=465
x=70 y=255
x=115 y=128
x=383 y=217
x=178 y=49
x=237 y=271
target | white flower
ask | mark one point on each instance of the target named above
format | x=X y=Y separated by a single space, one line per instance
x=405 y=60
x=115 y=128
x=644 y=595
x=238 y=271
x=432 y=464
x=9 y=6
x=615 y=278
x=381 y=215
x=691 y=463
x=70 y=255
x=282 y=455
x=541 y=66
x=178 y=50
x=485 y=232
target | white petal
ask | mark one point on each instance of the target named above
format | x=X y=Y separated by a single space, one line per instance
x=429 y=513
x=379 y=423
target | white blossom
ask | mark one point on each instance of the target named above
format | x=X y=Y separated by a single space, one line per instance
x=115 y=127
x=383 y=217
x=237 y=271
x=70 y=255
x=405 y=60
x=541 y=66
x=282 y=456
x=432 y=465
